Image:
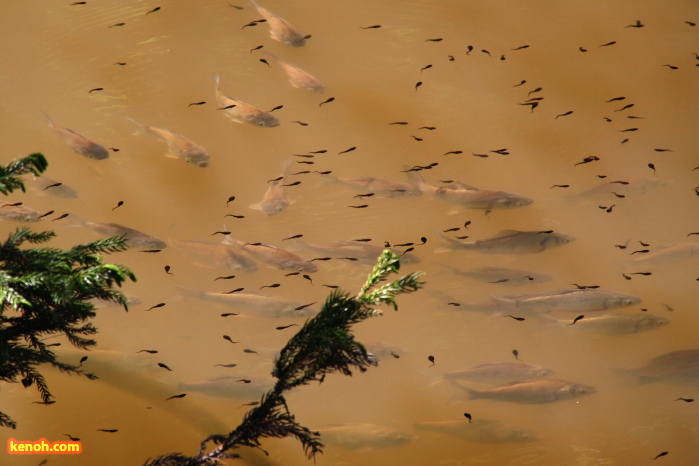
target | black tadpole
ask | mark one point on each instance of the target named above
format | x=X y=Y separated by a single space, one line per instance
x=660 y=454
x=515 y=318
x=516 y=354
x=156 y=306
x=431 y=359
x=575 y=320
x=119 y=204
x=468 y=416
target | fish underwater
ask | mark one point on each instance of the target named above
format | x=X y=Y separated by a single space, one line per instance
x=215 y=255
x=677 y=368
x=585 y=300
x=669 y=254
x=510 y=242
x=279 y=29
x=276 y=257
x=18 y=213
x=363 y=436
x=52 y=187
x=79 y=143
x=382 y=188
x=501 y=276
x=262 y=305
x=500 y=373
x=298 y=77
x=134 y=238
x=530 y=392
x=605 y=191
x=363 y=252
x=616 y=324
x=231 y=386
x=275 y=199
x=479 y=431
x=468 y=196
x=179 y=146
x=241 y=112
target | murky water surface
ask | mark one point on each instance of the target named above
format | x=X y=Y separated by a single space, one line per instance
x=471 y=117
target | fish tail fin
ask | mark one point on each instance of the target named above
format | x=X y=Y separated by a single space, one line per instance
x=140 y=127
x=449 y=244
x=414 y=177
x=433 y=377
x=462 y=393
x=255 y=206
x=629 y=379
x=74 y=220
x=49 y=121
x=286 y=166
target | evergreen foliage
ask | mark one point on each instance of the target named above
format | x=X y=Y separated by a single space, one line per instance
x=45 y=291
x=325 y=344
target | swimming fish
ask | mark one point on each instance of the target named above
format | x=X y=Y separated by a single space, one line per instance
x=361 y=436
x=215 y=255
x=18 y=213
x=276 y=257
x=581 y=301
x=617 y=324
x=275 y=199
x=479 y=431
x=468 y=196
x=365 y=253
x=241 y=112
x=134 y=238
x=531 y=392
x=179 y=146
x=668 y=254
x=258 y=304
x=279 y=29
x=677 y=367
x=382 y=188
x=298 y=77
x=231 y=386
x=511 y=242
x=502 y=276
x=52 y=187
x=500 y=373
x=79 y=143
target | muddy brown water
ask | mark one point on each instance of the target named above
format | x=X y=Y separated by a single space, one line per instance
x=54 y=53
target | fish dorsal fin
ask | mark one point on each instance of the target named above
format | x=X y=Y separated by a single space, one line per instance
x=462 y=185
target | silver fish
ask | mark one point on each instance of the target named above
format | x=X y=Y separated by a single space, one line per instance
x=134 y=238
x=258 y=304
x=360 y=436
x=231 y=386
x=616 y=324
x=605 y=191
x=382 y=351
x=499 y=373
x=275 y=199
x=18 y=213
x=678 y=367
x=479 y=431
x=586 y=300
x=79 y=143
x=276 y=257
x=531 y=392
x=669 y=254
x=299 y=78
x=382 y=188
x=364 y=253
x=241 y=112
x=48 y=186
x=215 y=255
x=502 y=276
x=511 y=242
x=279 y=29
x=179 y=146
x=470 y=197
x=103 y=303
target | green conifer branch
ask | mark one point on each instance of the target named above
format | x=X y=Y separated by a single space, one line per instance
x=325 y=344
x=45 y=291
